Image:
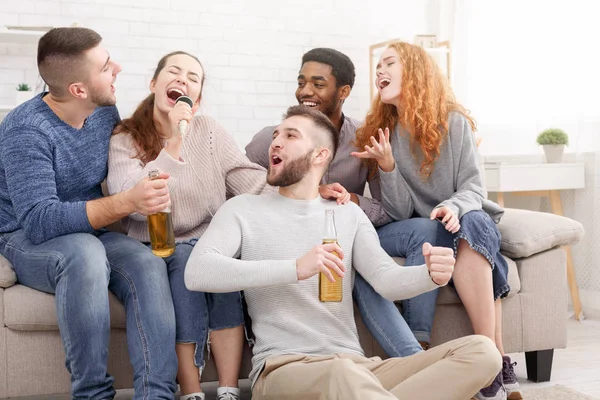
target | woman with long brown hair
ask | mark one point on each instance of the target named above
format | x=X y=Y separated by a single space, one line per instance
x=420 y=141
x=203 y=168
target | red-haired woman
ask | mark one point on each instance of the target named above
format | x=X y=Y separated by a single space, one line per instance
x=430 y=174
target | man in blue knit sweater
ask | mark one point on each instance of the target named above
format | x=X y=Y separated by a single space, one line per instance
x=53 y=159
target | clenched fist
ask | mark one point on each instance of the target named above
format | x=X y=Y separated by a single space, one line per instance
x=440 y=262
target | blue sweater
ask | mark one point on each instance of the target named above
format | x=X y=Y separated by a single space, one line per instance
x=49 y=170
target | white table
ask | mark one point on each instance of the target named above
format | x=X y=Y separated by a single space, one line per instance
x=540 y=179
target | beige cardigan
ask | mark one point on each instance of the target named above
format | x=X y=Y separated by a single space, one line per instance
x=211 y=170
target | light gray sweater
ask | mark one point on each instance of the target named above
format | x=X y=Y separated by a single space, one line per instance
x=269 y=233
x=455 y=182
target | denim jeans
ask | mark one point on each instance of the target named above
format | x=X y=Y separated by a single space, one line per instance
x=405 y=239
x=197 y=312
x=79 y=268
x=384 y=321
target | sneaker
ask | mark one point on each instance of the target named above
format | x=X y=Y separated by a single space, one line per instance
x=228 y=393
x=495 y=391
x=193 y=396
x=511 y=384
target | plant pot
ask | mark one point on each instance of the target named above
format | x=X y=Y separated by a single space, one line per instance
x=23 y=96
x=554 y=152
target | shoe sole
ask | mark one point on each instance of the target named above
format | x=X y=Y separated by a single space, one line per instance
x=515 y=396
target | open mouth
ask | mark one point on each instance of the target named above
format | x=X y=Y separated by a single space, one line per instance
x=275 y=160
x=174 y=93
x=383 y=83
x=309 y=103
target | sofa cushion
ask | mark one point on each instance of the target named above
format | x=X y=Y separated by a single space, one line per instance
x=448 y=295
x=7 y=274
x=26 y=309
x=525 y=233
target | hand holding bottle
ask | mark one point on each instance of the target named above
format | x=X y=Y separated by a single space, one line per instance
x=321 y=259
x=150 y=196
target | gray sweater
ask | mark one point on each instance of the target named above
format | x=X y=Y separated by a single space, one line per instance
x=345 y=169
x=455 y=182
x=269 y=233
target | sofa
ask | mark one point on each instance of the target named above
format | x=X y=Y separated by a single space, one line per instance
x=535 y=314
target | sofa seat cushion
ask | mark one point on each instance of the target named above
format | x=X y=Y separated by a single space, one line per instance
x=448 y=295
x=7 y=274
x=525 y=233
x=27 y=309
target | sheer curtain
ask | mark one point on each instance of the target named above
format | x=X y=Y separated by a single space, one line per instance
x=524 y=66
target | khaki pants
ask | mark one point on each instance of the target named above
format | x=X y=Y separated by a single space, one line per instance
x=454 y=370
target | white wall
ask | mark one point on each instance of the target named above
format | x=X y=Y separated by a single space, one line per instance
x=251 y=50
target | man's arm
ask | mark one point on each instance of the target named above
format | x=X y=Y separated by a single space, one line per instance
x=31 y=183
x=389 y=279
x=257 y=150
x=213 y=267
x=146 y=197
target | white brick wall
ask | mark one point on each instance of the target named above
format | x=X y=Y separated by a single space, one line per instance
x=251 y=50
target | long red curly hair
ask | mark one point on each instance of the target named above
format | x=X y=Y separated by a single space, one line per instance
x=426 y=99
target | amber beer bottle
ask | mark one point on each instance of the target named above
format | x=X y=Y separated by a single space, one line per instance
x=160 y=228
x=330 y=291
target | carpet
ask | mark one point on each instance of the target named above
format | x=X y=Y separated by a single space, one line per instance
x=557 y=392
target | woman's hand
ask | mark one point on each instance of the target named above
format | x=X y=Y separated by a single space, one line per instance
x=447 y=217
x=380 y=151
x=181 y=111
x=334 y=191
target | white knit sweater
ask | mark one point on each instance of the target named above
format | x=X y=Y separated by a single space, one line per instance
x=212 y=170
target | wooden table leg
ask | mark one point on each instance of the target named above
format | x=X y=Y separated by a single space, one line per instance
x=500 y=199
x=556 y=205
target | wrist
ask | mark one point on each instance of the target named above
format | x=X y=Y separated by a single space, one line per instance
x=387 y=165
x=125 y=202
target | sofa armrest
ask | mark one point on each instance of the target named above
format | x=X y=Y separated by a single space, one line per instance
x=7 y=274
x=525 y=233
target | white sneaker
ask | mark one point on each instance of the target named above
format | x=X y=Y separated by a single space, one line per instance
x=193 y=396
x=228 y=393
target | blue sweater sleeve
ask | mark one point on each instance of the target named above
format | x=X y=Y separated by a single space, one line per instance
x=31 y=186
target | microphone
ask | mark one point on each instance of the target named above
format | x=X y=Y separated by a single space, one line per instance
x=183 y=123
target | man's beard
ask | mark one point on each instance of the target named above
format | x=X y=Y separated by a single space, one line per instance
x=293 y=172
x=102 y=100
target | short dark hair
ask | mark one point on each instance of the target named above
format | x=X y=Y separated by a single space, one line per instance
x=342 y=68
x=61 y=55
x=319 y=119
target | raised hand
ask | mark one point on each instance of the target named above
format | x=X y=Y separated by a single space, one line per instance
x=380 y=151
x=440 y=262
x=181 y=111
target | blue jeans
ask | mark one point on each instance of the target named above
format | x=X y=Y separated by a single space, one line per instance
x=197 y=312
x=405 y=239
x=79 y=268
x=384 y=321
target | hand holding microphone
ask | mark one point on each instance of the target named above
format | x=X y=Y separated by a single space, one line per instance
x=181 y=114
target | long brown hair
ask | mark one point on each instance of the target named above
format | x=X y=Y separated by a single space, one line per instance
x=141 y=125
x=426 y=100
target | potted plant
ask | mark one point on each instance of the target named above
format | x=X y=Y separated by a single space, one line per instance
x=24 y=93
x=553 y=140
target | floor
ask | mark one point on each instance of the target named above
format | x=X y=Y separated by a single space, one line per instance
x=577 y=367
